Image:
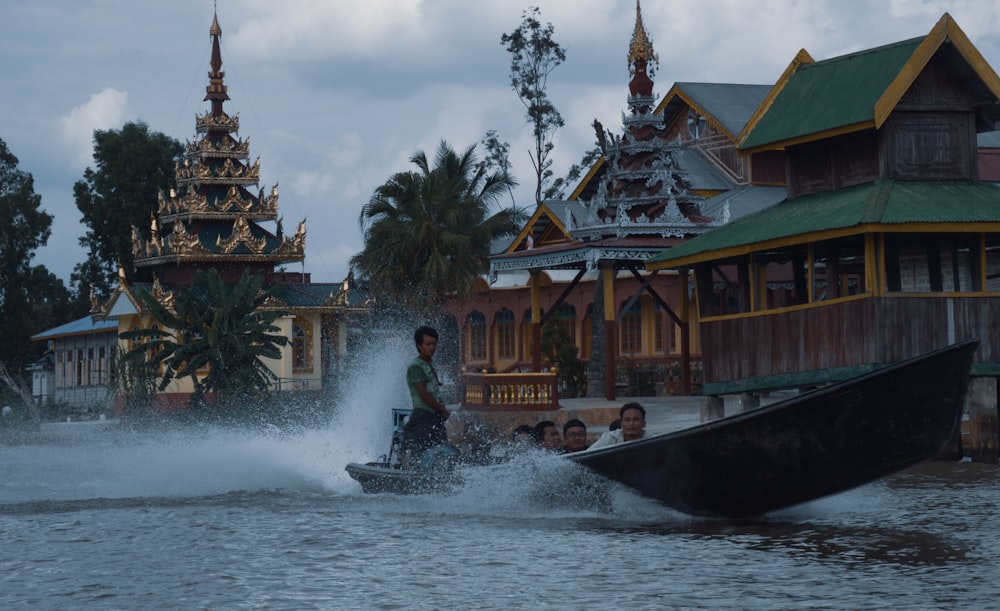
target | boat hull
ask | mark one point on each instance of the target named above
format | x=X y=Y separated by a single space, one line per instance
x=378 y=477
x=810 y=446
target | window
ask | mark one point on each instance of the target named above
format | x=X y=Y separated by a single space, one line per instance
x=724 y=287
x=505 y=334
x=992 y=262
x=299 y=347
x=631 y=329
x=784 y=277
x=838 y=268
x=658 y=327
x=933 y=262
x=567 y=314
x=476 y=323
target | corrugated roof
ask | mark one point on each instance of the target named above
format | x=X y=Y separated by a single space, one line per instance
x=82 y=326
x=880 y=202
x=830 y=94
x=742 y=201
x=702 y=174
x=729 y=104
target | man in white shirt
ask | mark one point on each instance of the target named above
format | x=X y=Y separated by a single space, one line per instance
x=633 y=417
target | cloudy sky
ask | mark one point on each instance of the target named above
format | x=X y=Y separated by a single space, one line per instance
x=336 y=95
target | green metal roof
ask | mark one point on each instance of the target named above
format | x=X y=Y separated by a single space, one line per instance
x=830 y=94
x=883 y=202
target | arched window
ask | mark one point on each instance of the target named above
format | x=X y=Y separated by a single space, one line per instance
x=630 y=329
x=505 y=334
x=299 y=347
x=476 y=324
x=302 y=334
x=567 y=314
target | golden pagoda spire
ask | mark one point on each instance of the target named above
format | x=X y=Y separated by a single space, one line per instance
x=216 y=91
x=641 y=47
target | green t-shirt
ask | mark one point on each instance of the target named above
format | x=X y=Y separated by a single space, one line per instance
x=420 y=370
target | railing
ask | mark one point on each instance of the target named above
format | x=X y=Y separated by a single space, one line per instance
x=510 y=391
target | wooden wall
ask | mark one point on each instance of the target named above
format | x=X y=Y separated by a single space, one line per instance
x=850 y=333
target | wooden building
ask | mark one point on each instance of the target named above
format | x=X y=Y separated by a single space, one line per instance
x=887 y=244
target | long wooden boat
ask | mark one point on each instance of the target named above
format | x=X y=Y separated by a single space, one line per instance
x=812 y=445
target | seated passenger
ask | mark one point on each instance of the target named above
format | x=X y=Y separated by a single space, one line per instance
x=574 y=436
x=547 y=435
x=524 y=434
x=633 y=417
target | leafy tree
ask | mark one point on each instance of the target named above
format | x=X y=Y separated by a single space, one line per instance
x=498 y=159
x=216 y=327
x=25 y=228
x=133 y=164
x=534 y=54
x=428 y=232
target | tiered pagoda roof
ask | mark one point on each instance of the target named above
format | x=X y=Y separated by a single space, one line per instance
x=644 y=191
x=213 y=216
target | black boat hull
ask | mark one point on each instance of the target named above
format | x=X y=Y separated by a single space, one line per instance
x=379 y=477
x=813 y=445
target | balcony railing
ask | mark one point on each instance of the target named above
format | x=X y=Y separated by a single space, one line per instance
x=510 y=392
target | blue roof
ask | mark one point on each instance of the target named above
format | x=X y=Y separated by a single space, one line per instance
x=82 y=326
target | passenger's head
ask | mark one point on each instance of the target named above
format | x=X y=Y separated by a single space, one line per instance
x=575 y=435
x=547 y=435
x=524 y=434
x=633 y=418
x=426 y=339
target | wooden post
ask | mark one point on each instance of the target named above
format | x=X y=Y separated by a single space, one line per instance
x=610 y=339
x=685 y=336
x=984 y=444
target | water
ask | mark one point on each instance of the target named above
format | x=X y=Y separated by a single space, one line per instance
x=94 y=516
x=104 y=518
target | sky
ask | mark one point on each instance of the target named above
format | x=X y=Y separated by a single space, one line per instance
x=337 y=95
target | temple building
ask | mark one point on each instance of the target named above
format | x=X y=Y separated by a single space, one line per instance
x=214 y=220
x=672 y=173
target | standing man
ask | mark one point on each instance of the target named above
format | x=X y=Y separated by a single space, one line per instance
x=425 y=428
x=633 y=417
x=574 y=436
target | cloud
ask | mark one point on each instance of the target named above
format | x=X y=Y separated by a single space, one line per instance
x=104 y=110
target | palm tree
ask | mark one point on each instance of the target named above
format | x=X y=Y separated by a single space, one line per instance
x=428 y=232
x=213 y=327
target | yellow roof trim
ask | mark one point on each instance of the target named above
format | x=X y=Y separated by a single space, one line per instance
x=823 y=135
x=586 y=179
x=818 y=236
x=802 y=57
x=675 y=92
x=530 y=226
x=946 y=29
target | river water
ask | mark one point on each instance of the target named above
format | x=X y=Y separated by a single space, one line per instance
x=100 y=517
x=96 y=516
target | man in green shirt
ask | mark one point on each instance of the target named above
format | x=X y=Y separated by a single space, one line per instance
x=425 y=428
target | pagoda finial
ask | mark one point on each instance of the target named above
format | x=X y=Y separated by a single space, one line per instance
x=640 y=49
x=216 y=90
